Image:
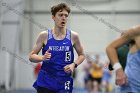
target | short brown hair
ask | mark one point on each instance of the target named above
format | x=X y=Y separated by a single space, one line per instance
x=59 y=7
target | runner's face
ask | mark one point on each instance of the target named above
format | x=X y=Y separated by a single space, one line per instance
x=61 y=18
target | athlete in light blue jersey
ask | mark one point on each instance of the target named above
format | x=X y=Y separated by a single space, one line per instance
x=57 y=54
x=129 y=81
x=132 y=71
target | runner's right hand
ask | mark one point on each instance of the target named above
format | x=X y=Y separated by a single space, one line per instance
x=47 y=55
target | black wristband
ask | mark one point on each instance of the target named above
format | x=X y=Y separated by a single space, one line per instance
x=75 y=65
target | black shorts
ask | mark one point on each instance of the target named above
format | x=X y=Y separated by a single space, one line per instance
x=97 y=79
x=44 y=90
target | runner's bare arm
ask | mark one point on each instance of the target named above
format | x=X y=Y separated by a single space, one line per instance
x=33 y=56
x=79 y=48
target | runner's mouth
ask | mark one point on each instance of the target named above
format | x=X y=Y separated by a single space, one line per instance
x=63 y=23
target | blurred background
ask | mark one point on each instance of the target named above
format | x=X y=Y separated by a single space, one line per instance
x=98 y=22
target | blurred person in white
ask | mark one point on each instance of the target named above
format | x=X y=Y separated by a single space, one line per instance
x=87 y=78
x=105 y=85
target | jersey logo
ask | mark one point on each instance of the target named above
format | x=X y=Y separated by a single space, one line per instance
x=67 y=85
x=65 y=42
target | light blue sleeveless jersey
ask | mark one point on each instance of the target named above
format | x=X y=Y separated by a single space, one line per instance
x=52 y=74
x=132 y=71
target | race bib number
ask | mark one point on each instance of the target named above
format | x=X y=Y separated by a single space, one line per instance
x=68 y=56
